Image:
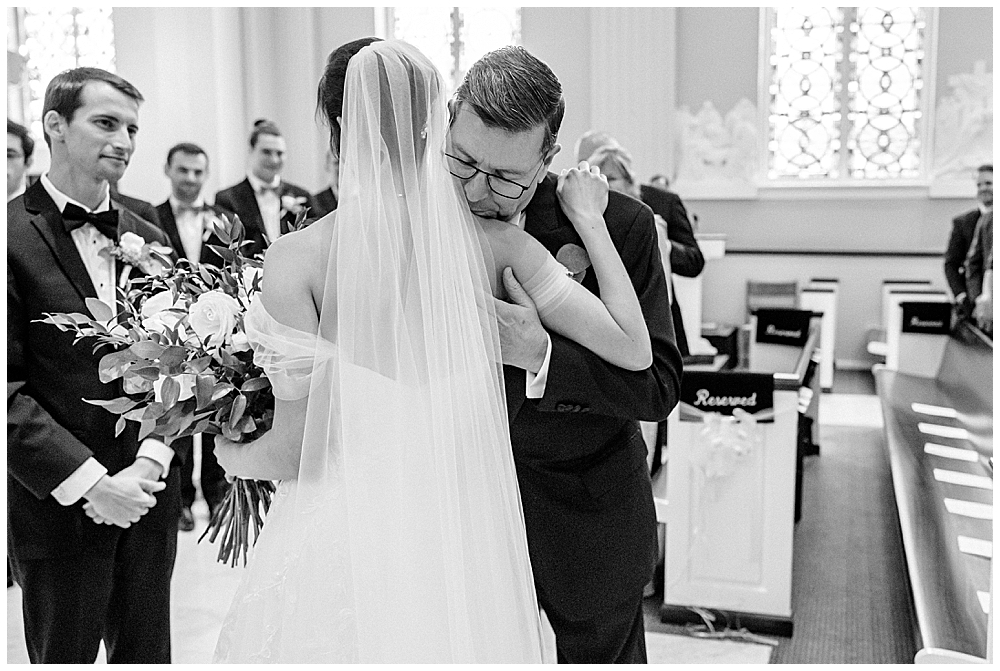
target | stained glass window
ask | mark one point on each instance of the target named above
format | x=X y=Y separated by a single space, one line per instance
x=845 y=92
x=57 y=39
x=454 y=38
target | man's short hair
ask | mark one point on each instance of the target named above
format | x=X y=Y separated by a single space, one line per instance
x=986 y=167
x=185 y=148
x=263 y=127
x=63 y=94
x=510 y=89
x=27 y=143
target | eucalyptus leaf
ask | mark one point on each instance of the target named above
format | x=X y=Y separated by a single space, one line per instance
x=99 y=309
x=147 y=349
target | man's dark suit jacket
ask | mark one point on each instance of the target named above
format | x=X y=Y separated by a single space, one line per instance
x=962 y=229
x=168 y=224
x=51 y=430
x=140 y=208
x=326 y=202
x=686 y=258
x=240 y=200
x=579 y=453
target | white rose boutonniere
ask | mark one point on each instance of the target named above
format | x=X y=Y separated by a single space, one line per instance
x=293 y=204
x=133 y=250
x=213 y=317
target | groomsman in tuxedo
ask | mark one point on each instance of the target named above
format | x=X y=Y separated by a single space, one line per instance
x=91 y=516
x=579 y=453
x=265 y=203
x=189 y=223
x=963 y=227
x=20 y=147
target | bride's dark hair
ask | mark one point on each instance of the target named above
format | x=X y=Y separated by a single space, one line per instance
x=330 y=92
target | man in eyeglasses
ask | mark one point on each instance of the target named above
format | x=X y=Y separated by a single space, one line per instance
x=580 y=456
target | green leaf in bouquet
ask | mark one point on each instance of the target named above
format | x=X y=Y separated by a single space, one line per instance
x=222 y=232
x=227 y=255
x=114 y=365
x=119 y=426
x=199 y=365
x=221 y=389
x=169 y=425
x=116 y=405
x=239 y=406
x=146 y=427
x=135 y=414
x=154 y=411
x=203 y=386
x=237 y=229
x=255 y=384
x=99 y=309
x=66 y=322
x=246 y=425
x=170 y=391
x=136 y=384
x=151 y=373
x=174 y=355
x=147 y=349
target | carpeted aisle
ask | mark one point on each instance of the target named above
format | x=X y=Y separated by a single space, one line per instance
x=851 y=598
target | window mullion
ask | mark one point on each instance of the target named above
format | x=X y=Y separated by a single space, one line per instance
x=848 y=88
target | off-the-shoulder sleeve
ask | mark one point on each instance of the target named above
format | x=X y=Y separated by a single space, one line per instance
x=549 y=286
x=290 y=358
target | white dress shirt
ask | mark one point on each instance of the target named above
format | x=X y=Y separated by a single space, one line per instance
x=89 y=242
x=269 y=204
x=191 y=225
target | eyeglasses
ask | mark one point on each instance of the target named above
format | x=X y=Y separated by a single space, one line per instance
x=501 y=186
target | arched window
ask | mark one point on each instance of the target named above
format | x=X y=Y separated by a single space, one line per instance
x=846 y=97
x=454 y=38
x=47 y=41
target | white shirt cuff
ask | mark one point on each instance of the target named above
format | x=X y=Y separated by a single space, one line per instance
x=535 y=382
x=158 y=452
x=79 y=483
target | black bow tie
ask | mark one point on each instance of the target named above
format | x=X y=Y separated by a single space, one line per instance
x=75 y=216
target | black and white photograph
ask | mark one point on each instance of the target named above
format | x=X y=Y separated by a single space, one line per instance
x=500 y=335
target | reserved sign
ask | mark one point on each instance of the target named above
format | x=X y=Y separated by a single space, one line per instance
x=724 y=392
x=783 y=327
x=932 y=318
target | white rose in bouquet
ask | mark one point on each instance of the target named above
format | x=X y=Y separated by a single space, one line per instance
x=240 y=342
x=213 y=317
x=161 y=313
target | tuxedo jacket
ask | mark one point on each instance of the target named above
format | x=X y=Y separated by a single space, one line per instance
x=241 y=200
x=168 y=224
x=326 y=202
x=137 y=207
x=579 y=453
x=686 y=259
x=963 y=227
x=51 y=430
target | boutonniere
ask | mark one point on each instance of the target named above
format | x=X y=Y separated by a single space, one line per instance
x=575 y=260
x=132 y=250
x=293 y=204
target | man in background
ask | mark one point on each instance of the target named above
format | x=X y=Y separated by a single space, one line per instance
x=326 y=200
x=962 y=229
x=20 y=147
x=265 y=203
x=189 y=223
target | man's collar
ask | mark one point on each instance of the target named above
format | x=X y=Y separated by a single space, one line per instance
x=257 y=184
x=61 y=199
x=198 y=203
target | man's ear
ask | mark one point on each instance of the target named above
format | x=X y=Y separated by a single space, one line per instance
x=556 y=148
x=166 y=169
x=54 y=124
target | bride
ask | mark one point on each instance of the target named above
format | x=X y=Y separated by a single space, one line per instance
x=396 y=533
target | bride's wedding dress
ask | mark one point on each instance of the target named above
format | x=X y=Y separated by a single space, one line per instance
x=388 y=550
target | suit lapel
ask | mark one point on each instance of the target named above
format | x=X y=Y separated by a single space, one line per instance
x=169 y=224
x=48 y=221
x=256 y=224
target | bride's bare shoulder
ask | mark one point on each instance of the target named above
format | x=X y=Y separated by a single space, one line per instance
x=301 y=251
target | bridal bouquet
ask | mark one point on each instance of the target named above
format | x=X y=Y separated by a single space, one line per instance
x=180 y=349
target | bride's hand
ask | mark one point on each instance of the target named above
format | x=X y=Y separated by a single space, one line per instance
x=229 y=454
x=583 y=195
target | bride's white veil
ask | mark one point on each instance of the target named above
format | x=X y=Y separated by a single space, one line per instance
x=407 y=510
